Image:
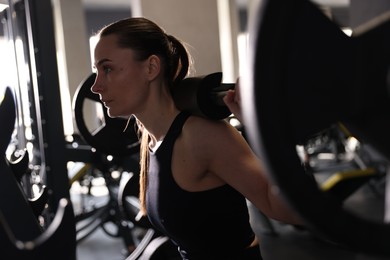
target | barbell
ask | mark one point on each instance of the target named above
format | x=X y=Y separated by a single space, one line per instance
x=200 y=96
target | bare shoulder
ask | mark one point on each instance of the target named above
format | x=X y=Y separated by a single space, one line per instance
x=209 y=136
x=199 y=128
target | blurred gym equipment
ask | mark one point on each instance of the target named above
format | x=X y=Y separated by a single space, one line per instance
x=305 y=75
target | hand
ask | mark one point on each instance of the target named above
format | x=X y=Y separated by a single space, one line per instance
x=233 y=101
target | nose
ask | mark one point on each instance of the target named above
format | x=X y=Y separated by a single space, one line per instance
x=96 y=89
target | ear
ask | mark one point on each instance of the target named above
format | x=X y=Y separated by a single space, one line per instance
x=154 y=66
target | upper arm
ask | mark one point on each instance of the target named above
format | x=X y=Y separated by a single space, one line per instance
x=239 y=167
x=221 y=150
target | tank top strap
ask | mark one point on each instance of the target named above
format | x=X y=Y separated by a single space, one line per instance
x=177 y=125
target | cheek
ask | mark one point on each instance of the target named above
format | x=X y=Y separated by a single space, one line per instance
x=132 y=89
x=132 y=97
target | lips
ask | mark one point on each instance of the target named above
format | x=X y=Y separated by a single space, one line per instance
x=106 y=102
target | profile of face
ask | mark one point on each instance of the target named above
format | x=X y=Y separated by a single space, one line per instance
x=122 y=81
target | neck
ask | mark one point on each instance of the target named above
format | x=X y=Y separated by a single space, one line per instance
x=158 y=113
x=157 y=121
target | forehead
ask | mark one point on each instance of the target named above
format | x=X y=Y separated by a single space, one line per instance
x=106 y=44
x=108 y=49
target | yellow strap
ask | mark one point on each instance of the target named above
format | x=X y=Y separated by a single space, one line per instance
x=80 y=173
x=342 y=176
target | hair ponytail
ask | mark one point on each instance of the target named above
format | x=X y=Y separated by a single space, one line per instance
x=144 y=166
x=180 y=60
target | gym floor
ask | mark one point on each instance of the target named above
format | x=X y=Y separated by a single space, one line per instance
x=278 y=241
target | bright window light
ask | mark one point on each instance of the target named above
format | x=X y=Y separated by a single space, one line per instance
x=3 y=7
x=242 y=42
x=347 y=31
x=92 y=44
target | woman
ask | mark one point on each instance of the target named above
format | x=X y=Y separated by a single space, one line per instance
x=195 y=172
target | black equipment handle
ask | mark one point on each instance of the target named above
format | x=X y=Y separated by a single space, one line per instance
x=203 y=96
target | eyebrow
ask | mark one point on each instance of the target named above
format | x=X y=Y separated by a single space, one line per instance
x=101 y=61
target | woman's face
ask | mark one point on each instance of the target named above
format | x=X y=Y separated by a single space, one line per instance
x=121 y=81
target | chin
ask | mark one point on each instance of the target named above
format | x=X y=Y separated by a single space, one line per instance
x=112 y=114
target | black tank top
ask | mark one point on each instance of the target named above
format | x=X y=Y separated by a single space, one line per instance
x=211 y=224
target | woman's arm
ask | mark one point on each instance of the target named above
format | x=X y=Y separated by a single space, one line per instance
x=235 y=163
x=252 y=180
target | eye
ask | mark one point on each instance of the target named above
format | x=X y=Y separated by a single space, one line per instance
x=106 y=69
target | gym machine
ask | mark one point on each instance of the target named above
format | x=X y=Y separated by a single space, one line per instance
x=37 y=220
x=305 y=76
x=38 y=153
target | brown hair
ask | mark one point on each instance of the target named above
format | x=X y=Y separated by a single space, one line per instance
x=146 y=38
